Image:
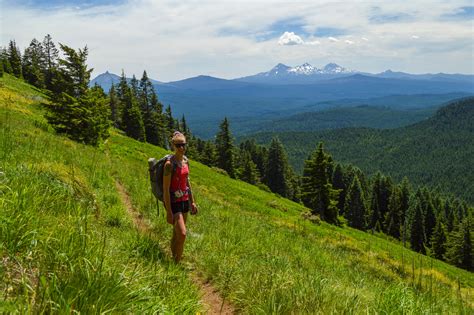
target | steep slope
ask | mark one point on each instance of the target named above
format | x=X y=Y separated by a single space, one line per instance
x=438 y=151
x=68 y=244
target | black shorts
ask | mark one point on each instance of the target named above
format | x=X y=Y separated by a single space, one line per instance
x=180 y=207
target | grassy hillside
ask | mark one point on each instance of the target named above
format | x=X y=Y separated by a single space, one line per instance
x=438 y=151
x=68 y=244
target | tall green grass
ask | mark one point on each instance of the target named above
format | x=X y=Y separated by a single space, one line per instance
x=67 y=243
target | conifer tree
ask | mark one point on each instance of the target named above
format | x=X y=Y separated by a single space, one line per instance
x=5 y=61
x=132 y=118
x=375 y=213
x=50 y=57
x=33 y=64
x=278 y=173
x=438 y=240
x=114 y=104
x=122 y=87
x=417 y=233
x=209 y=154
x=248 y=171
x=134 y=87
x=393 y=218
x=151 y=111
x=354 y=208
x=170 y=123
x=339 y=183
x=459 y=246
x=74 y=76
x=14 y=58
x=317 y=192
x=76 y=110
x=381 y=190
x=429 y=221
x=225 y=149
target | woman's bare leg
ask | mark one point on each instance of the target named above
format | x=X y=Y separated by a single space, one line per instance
x=179 y=236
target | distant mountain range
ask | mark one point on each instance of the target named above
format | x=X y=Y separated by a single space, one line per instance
x=284 y=91
x=283 y=74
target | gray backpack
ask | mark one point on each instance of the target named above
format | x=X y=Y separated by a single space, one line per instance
x=155 y=168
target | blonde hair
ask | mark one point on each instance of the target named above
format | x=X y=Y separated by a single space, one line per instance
x=177 y=135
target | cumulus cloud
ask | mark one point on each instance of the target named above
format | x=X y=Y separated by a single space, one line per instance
x=348 y=42
x=312 y=43
x=175 y=40
x=290 y=38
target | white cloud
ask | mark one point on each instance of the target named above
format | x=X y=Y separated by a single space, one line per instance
x=174 y=40
x=290 y=38
x=415 y=37
x=312 y=43
x=348 y=42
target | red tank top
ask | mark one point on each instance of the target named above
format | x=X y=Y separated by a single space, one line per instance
x=179 y=181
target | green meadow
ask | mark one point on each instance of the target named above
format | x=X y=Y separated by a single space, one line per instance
x=68 y=243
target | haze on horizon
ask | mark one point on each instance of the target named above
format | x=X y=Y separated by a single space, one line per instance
x=230 y=39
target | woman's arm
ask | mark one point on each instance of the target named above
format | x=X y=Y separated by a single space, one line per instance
x=166 y=191
x=194 y=208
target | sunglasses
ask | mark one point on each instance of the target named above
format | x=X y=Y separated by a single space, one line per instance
x=180 y=145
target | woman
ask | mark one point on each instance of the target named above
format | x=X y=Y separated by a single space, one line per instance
x=177 y=195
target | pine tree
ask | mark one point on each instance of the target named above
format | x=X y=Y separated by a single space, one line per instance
x=50 y=57
x=438 y=240
x=74 y=76
x=278 y=173
x=393 y=218
x=381 y=191
x=209 y=154
x=170 y=124
x=375 y=213
x=459 y=246
x=429 y=221
x=225 y=149
x=151 y=111
x=354 y=208
x=114 y=104
x=76 y=110
x=5 y=61
x=248 y=171
x=339 y=183
x=134 y=87
x=14 y=58
x=132 y=118
x=33 y=64
x=317 y=192
x=122 y=88
x=417 y=233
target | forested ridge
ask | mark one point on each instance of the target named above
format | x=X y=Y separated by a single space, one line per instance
x=437 y=152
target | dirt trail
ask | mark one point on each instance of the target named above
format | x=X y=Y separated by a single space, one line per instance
x=212 y=301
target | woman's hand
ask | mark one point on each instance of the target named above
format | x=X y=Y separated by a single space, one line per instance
x=169 y=217
x=194 y=208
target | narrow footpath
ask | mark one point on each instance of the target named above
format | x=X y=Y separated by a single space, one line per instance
x=212 y=301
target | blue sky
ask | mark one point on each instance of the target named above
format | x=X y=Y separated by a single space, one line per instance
x=173 y=40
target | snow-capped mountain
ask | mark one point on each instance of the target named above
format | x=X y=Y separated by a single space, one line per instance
x=279 y=69
x=306 y=69
x=305 y=73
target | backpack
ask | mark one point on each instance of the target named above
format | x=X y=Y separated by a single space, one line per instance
x=155 y=168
